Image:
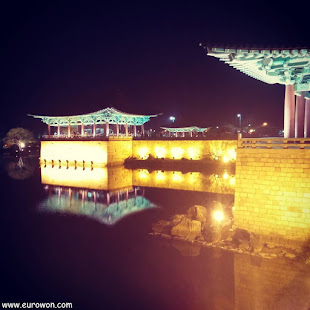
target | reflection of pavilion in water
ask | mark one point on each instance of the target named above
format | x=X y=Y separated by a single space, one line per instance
x=107 y=207
x=106 y=194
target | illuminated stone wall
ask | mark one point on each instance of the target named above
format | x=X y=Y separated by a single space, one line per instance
x=118 y=150
x=272 y=192
x=96 y=151
x=191 y=181
x=100 y=153
x=272 y=284
x=189 y=149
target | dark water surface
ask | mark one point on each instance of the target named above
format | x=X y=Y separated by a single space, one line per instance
x=55 y=248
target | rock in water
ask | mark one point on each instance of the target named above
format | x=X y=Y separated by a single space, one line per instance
x=187 y=248
x=198 y=213
x=187 y=229
x=161 y=227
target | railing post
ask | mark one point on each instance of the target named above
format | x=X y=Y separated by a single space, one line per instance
x=239 y=141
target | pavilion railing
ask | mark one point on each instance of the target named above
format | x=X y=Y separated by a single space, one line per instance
x=274 y=143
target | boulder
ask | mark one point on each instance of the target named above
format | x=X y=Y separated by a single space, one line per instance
x=241 y=235
x=176 y=219
x=187 y=229
x=161 y=227
x=198 y=213
x=187 y=248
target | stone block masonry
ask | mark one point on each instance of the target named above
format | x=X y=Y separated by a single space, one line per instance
x=272 y=192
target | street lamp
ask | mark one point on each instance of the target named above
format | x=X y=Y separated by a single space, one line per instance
x=239 y=116
x=172 y=118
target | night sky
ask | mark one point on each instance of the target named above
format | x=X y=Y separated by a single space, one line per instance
x=66 y=58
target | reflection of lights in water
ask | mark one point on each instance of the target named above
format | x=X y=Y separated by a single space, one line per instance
x=143 y=152
x=143 y=174
x=177 y=152
x=177 y=177
x=160 y=176
x=160 y=152
x=218 y=215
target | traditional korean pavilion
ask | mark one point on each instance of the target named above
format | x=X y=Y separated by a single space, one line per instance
x=183 y=130
x=289 y=67
x=99 y=123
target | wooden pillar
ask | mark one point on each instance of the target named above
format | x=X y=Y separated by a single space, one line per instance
x=142 y=129
x=58 y=130
x=49 y=130
x=176 y=134
x=307 y=119
x=183 y=134
x=289 y=112
x=126 y=130
x=107 y=129
x=300 y=116
x=82 y=130
x=117 y=129
x=94 y=129
x=135 y=130
x=191 y=134
x=69 y=130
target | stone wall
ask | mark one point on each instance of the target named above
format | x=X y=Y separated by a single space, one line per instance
x=189 y=149
x=272 y=192
x=95 y=151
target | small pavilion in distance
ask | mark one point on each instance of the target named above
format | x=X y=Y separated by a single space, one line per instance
x=106 y=122
x=289 y=67
x=190 y=131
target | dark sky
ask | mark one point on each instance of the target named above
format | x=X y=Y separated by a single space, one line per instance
x=66 y=58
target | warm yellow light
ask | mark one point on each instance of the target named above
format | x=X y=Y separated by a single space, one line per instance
x=265 y=124
x=22 y=144
x=193 y=152
x=225 y=159
x=92 y=179
x=95 y=151
x=225 y=175
x=160 y=176
x=143 y=152
x=143 y=174
x=232 y=181
x=177 y=176
x=218 y=215
x=160 y=152
x=177 y=152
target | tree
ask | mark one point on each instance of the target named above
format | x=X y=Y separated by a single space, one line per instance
x=19 y=136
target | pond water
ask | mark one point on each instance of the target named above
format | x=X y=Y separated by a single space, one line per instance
x=82 y=236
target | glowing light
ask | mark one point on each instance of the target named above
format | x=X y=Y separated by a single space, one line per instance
x=160 y=152
x=143 y=174
x=225 y=175
x=177 y=177
x=80 y=151
x=177 y=152
x=143 y=152
x=264 y=124
x=251 y=130
x=22 y=144
x=218 y=215
x=172 y=118
x=225 y=159
x=232 y=181
x=160 y=176
x=193 y=152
